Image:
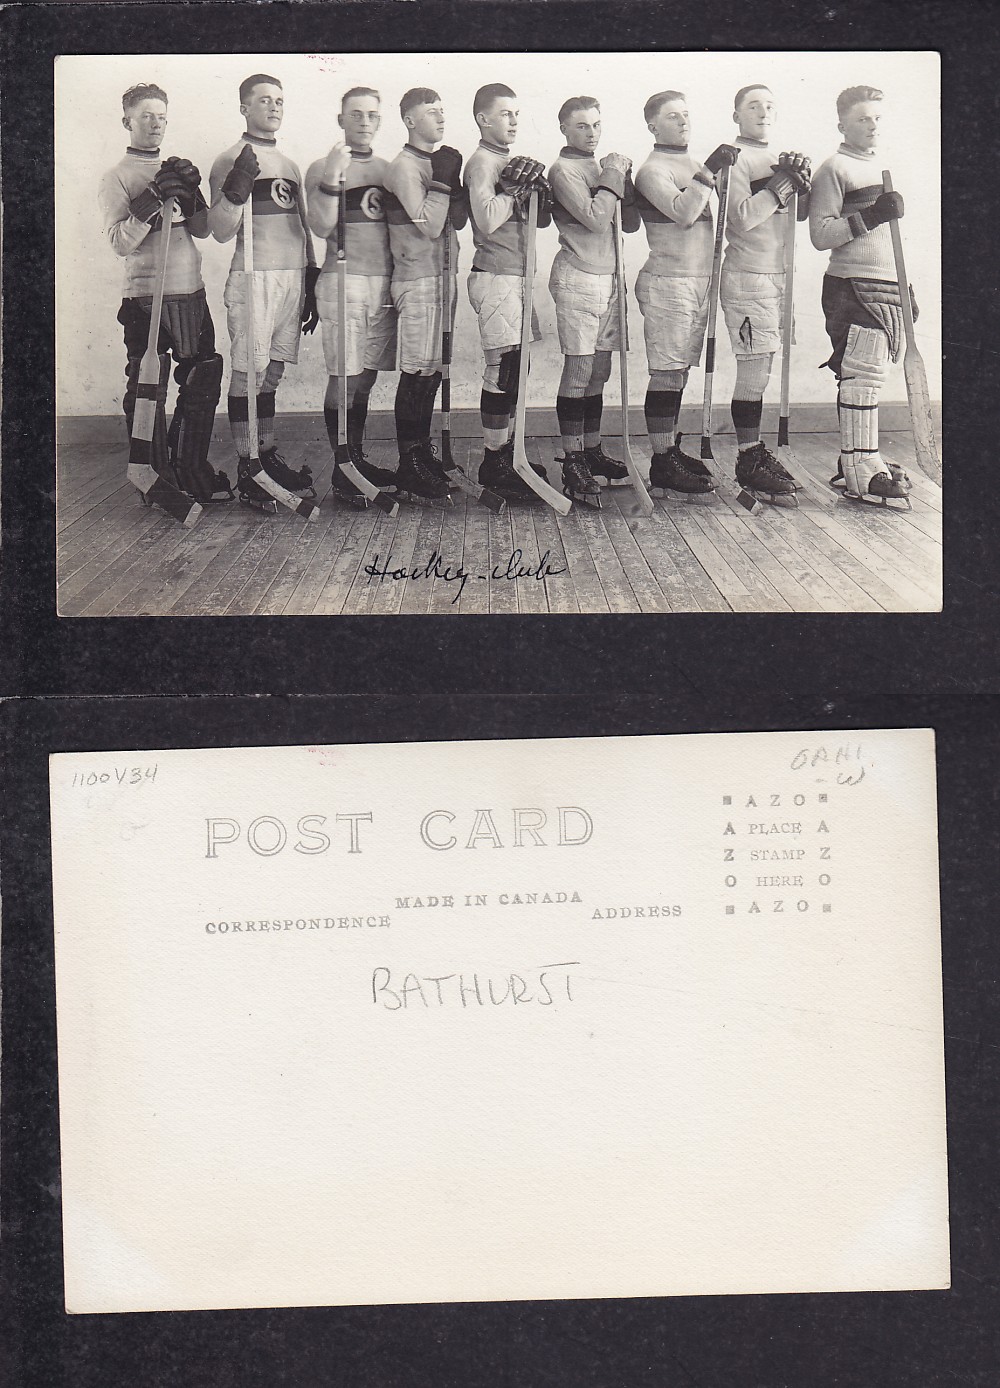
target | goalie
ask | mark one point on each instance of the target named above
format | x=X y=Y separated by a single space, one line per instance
x=131 y=199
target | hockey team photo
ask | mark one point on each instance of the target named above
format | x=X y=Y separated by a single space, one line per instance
x=386 y=333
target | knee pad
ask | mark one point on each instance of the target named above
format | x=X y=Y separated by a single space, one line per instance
x=273 y=374
x=491 y=378
x=575 y=375
x=509 y=371
x=601 y=370
x=203 y=384
x=667 y=380
x=752 y=373
x=866 y=356
x=364 y=381
x=238 y=385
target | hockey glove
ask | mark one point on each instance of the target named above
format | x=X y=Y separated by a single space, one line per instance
x=798 y=169
x=240 y=178
x=782 y=185
x=189 y=199
x=146 y=205
x=310 y=309
x=520 y=173
x=446 y=169
x=722 y=156
x=887 y=207
x=543 y=188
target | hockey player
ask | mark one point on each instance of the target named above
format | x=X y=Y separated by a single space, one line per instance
x=498 y=188
x=582 y=283
x=673 y=191
x=371 y=318
x=752 y=287
x=424 y=203
x=284 y=279
x=131 y=196
x=848 y=216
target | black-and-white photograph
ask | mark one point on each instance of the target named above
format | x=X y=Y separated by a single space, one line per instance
x=531 y=333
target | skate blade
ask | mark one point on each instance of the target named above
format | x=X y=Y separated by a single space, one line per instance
x=881 y=503
x=784 y=501
x=266 y=508
x=669 y=494
x=440 y=501
x=585 y=499
x=357 y=502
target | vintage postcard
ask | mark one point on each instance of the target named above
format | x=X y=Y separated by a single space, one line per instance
x=438 y=259
x=604 y=1017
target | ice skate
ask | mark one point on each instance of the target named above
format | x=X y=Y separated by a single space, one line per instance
x=250 y=494
x=300 y=482
x=758 y=476
x=417 y=481
x=606 y=472
x=382 y=477
x=881 y=489
x=497 y=473
x=674 y=471
x=577 y=482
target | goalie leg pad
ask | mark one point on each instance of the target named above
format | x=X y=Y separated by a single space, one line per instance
x=864 y=370
x=191 y=428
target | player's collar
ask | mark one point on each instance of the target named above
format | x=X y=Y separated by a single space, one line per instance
x=267 y=140
x=853 y=153
x=670 y=149
x=420 y=153
x=143 y=153
x=568 y=152
x=749 y=140
x=361 y=153
x=493 y=149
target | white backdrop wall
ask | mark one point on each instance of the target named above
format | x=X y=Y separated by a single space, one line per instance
x=204 y=118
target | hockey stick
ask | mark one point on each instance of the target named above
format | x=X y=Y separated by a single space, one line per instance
x=924 y=442
x=141 y=472
x=641 y=494
x=713 y=309
x=787 y=321
x=522 y=467
x=453 y=472
x=306 y=509
x=367 y=491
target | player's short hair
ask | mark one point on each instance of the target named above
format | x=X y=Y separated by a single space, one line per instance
x=360 y=91
x=744 y=92
x=652 y=107
x=852 y=96
x=257 y=80
x=417 y=96
x=576 y=103
x=486 y=96
x=142 y=91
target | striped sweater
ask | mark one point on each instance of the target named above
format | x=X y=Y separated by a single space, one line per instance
x=672 y=194
x=845 y=184
x=137 y=243
x=367 y=232
x=280 y=238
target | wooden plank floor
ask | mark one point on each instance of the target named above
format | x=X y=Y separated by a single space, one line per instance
x=117 y=558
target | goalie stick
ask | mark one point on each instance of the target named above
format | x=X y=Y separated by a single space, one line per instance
x=917 y=394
